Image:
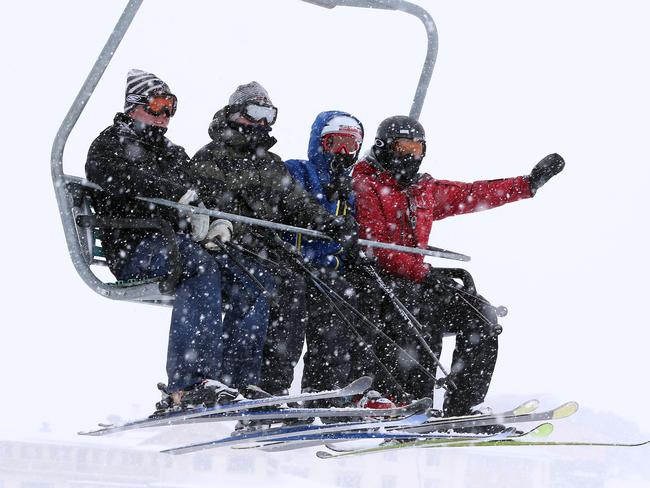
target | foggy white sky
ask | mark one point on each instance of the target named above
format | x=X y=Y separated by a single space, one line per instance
x=514 y=81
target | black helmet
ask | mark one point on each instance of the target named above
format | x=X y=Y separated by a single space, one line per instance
x=403 y=167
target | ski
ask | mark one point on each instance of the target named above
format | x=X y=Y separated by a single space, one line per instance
x=311 y=440
x=356 y=387
x=279 y=433
x=525 y=408
x=285 y=413
x=540 y=431
x=523 y=442
x=513 y=416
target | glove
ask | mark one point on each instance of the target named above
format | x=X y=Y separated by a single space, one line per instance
x=544 y=171
x=357 y=257
x=221 y=231
x=345 y=232
x=199 y=225
x=189 y=197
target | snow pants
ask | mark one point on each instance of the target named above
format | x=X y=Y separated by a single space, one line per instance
x=441 y=309
x=201 y=344
x=303 y=313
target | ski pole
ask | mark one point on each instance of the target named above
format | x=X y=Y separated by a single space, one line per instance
x=500 y=311
x=241 y=266
x=411 y=321
x=359 y=337
x=354 y=311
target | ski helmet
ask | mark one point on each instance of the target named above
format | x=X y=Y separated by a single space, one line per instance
x=341 y=138
x=404 y=167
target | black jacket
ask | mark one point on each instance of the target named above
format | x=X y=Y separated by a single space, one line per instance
x=128 y=162
x=237 y=173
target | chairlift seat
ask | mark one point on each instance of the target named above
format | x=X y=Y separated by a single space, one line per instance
x=89 y=229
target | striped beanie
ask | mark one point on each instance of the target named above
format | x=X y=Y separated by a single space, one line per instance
x=251 y=92
x=139 y=83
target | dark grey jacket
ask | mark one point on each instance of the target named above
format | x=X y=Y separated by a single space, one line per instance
x=237 y=173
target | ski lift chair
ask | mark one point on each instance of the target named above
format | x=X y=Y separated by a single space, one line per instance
x=83 y=228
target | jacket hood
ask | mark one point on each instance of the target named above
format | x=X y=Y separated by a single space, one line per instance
x=314 y=152
x=222 y=133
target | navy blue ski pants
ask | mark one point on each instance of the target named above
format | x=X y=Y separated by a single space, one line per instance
x=201 y=344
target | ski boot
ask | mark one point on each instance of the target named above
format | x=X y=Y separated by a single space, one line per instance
x=207 y=393
x=373 y=399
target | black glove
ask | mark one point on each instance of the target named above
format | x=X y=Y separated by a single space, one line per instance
x=544 y=171
x=357 y=257
x=344 y=230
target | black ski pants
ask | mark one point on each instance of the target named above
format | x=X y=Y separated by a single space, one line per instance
x=337 y=352
x=442 y=307
x=302 y=312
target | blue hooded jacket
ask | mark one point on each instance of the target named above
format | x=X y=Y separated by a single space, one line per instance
x=314 y=174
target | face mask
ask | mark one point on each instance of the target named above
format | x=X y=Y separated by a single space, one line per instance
x=255 y=134
x=152 y=133
x=341 y=163
x=405 y=169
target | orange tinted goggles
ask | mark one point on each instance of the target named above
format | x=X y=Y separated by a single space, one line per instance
x=409 y=146
x=159 y=104
x=337 y=143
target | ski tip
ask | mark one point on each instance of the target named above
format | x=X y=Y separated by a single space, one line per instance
x=359 y=385
x=174 y=450
x=565 y=410
x=97 y=432
x=543 y=430
x=324 y=455
x=528 y=407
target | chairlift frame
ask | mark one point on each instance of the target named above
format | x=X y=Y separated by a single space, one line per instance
x=75 y=204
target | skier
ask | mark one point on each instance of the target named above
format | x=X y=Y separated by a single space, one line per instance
x=396 y=204
x=133 y=158
x=237 y=173
x=335 y=355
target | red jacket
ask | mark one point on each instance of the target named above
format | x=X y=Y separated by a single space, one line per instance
x=387 y=213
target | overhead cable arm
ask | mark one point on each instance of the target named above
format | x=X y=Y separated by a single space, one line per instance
x=429 y=25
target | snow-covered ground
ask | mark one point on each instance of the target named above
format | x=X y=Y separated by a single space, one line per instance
x=514 y=81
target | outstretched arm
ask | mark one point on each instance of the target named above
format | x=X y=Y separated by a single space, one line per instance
x=455 y=198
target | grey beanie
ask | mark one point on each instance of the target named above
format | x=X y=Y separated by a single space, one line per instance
x=139 y=83
x=252 y=91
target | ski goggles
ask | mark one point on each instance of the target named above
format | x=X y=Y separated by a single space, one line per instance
x=258 y=113
x=337 y=143
x=155 y=104
x=410 y=147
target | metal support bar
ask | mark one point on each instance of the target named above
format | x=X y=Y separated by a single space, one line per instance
x=429 y=25
x=308 y=232
x=58 y=177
